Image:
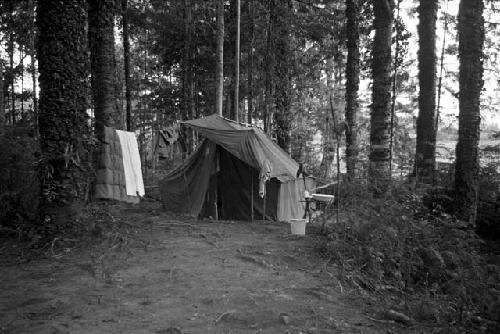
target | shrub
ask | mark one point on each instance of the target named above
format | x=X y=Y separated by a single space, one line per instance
x=397 y=244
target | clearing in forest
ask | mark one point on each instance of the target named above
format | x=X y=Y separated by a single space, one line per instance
x=157 y=274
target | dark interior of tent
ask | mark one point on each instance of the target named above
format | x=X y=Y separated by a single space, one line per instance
x=234 y=190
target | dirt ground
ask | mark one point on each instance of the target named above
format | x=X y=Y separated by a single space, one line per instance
x=179 y=276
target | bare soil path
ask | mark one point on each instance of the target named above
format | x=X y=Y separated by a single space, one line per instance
x=181 y=277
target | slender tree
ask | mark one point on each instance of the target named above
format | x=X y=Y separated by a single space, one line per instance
x=102 y=56
x=63 y=119
x=269 y=67
x=426 y=131
x=237 y=63
x=352 y=85
x=283 y=56
x=379 y=170
x=470 y=49
x=126 y=65
x=10 y=51
x=250 y=74
x=2 y=108
x=33 y=65
x=220 y=58
x=188 y=107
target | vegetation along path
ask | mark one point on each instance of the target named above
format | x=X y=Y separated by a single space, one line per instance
x=155 y=274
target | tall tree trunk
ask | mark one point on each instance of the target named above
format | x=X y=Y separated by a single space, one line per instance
x=188 y=74
x=10 y=51
x=396 y=62
x=352 y=86
x=219 y=76
x=251 y=30
x=269 y=68
x=283 y=56
x=2 y=108
x=379 y=171
x=470 y=50
x=33 y=77
x=21 y=67
x=328 y=129
x=426 y=131
x=102 y=56
x=126 y=65
x=64 y=131
x=237 y=63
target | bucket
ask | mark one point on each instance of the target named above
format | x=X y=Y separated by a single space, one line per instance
x=298 y=226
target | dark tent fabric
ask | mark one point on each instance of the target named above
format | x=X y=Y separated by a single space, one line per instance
x=222 y=177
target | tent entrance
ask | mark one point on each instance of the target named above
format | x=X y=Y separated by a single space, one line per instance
x=234 y=189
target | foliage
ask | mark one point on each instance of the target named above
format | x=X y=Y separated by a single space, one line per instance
x=417 y=260
x=19 y=189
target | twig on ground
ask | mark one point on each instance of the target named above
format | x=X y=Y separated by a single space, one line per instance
x=392 y=322
x=219 y=318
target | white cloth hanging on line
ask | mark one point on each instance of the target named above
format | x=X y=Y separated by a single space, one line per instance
x=131 y=163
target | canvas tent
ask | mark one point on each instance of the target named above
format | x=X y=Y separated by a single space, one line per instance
x=119 y=174
x=230 y=171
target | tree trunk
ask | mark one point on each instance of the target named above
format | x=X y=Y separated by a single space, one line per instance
x=379 y=171
x=237 y=63
x=470 y=49
x=426 y=132
x=126 y=65
x=219 y=76
x=64 y=130
x=102 y=56
x=10 y=51
x=251 y=29
x=2 y=109
x=269 y=69
x=33 y=79
x=188 y=102
x=283 y=56
x=352 y=86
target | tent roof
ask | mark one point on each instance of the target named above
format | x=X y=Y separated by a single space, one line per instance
x=248 y=144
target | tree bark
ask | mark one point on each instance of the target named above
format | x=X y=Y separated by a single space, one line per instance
x=251 y=29
x=2 y=108
x=283 y=56
x=379 y=170
x=269 y=69
x=63 y=119
x=188 y=81
x=470 y=49
x=426 y=131
x=126 y=65
x=237 y=63
x=219 y=76
x=102 y=56
x=352 y=86
x=33 y=79
x=10 y=51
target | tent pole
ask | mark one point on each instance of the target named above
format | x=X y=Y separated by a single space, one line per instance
x=265 y=194
x=251 y=200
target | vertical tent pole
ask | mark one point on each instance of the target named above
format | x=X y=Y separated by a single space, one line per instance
x=265 y=195
x=251 y=200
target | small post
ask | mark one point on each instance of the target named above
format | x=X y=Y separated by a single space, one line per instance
x=265 y=195
x=251 y=200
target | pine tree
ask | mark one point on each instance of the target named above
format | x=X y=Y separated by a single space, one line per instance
x=379 y=170
x=426 y=131
x=471 y=40
x=352 y=85
x=63 y=119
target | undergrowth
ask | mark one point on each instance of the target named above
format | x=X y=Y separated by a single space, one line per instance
x=417 y=261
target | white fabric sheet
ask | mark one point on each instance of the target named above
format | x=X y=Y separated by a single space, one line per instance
x=131 y=163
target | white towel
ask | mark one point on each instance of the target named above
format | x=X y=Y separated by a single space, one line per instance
x=131 y=163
